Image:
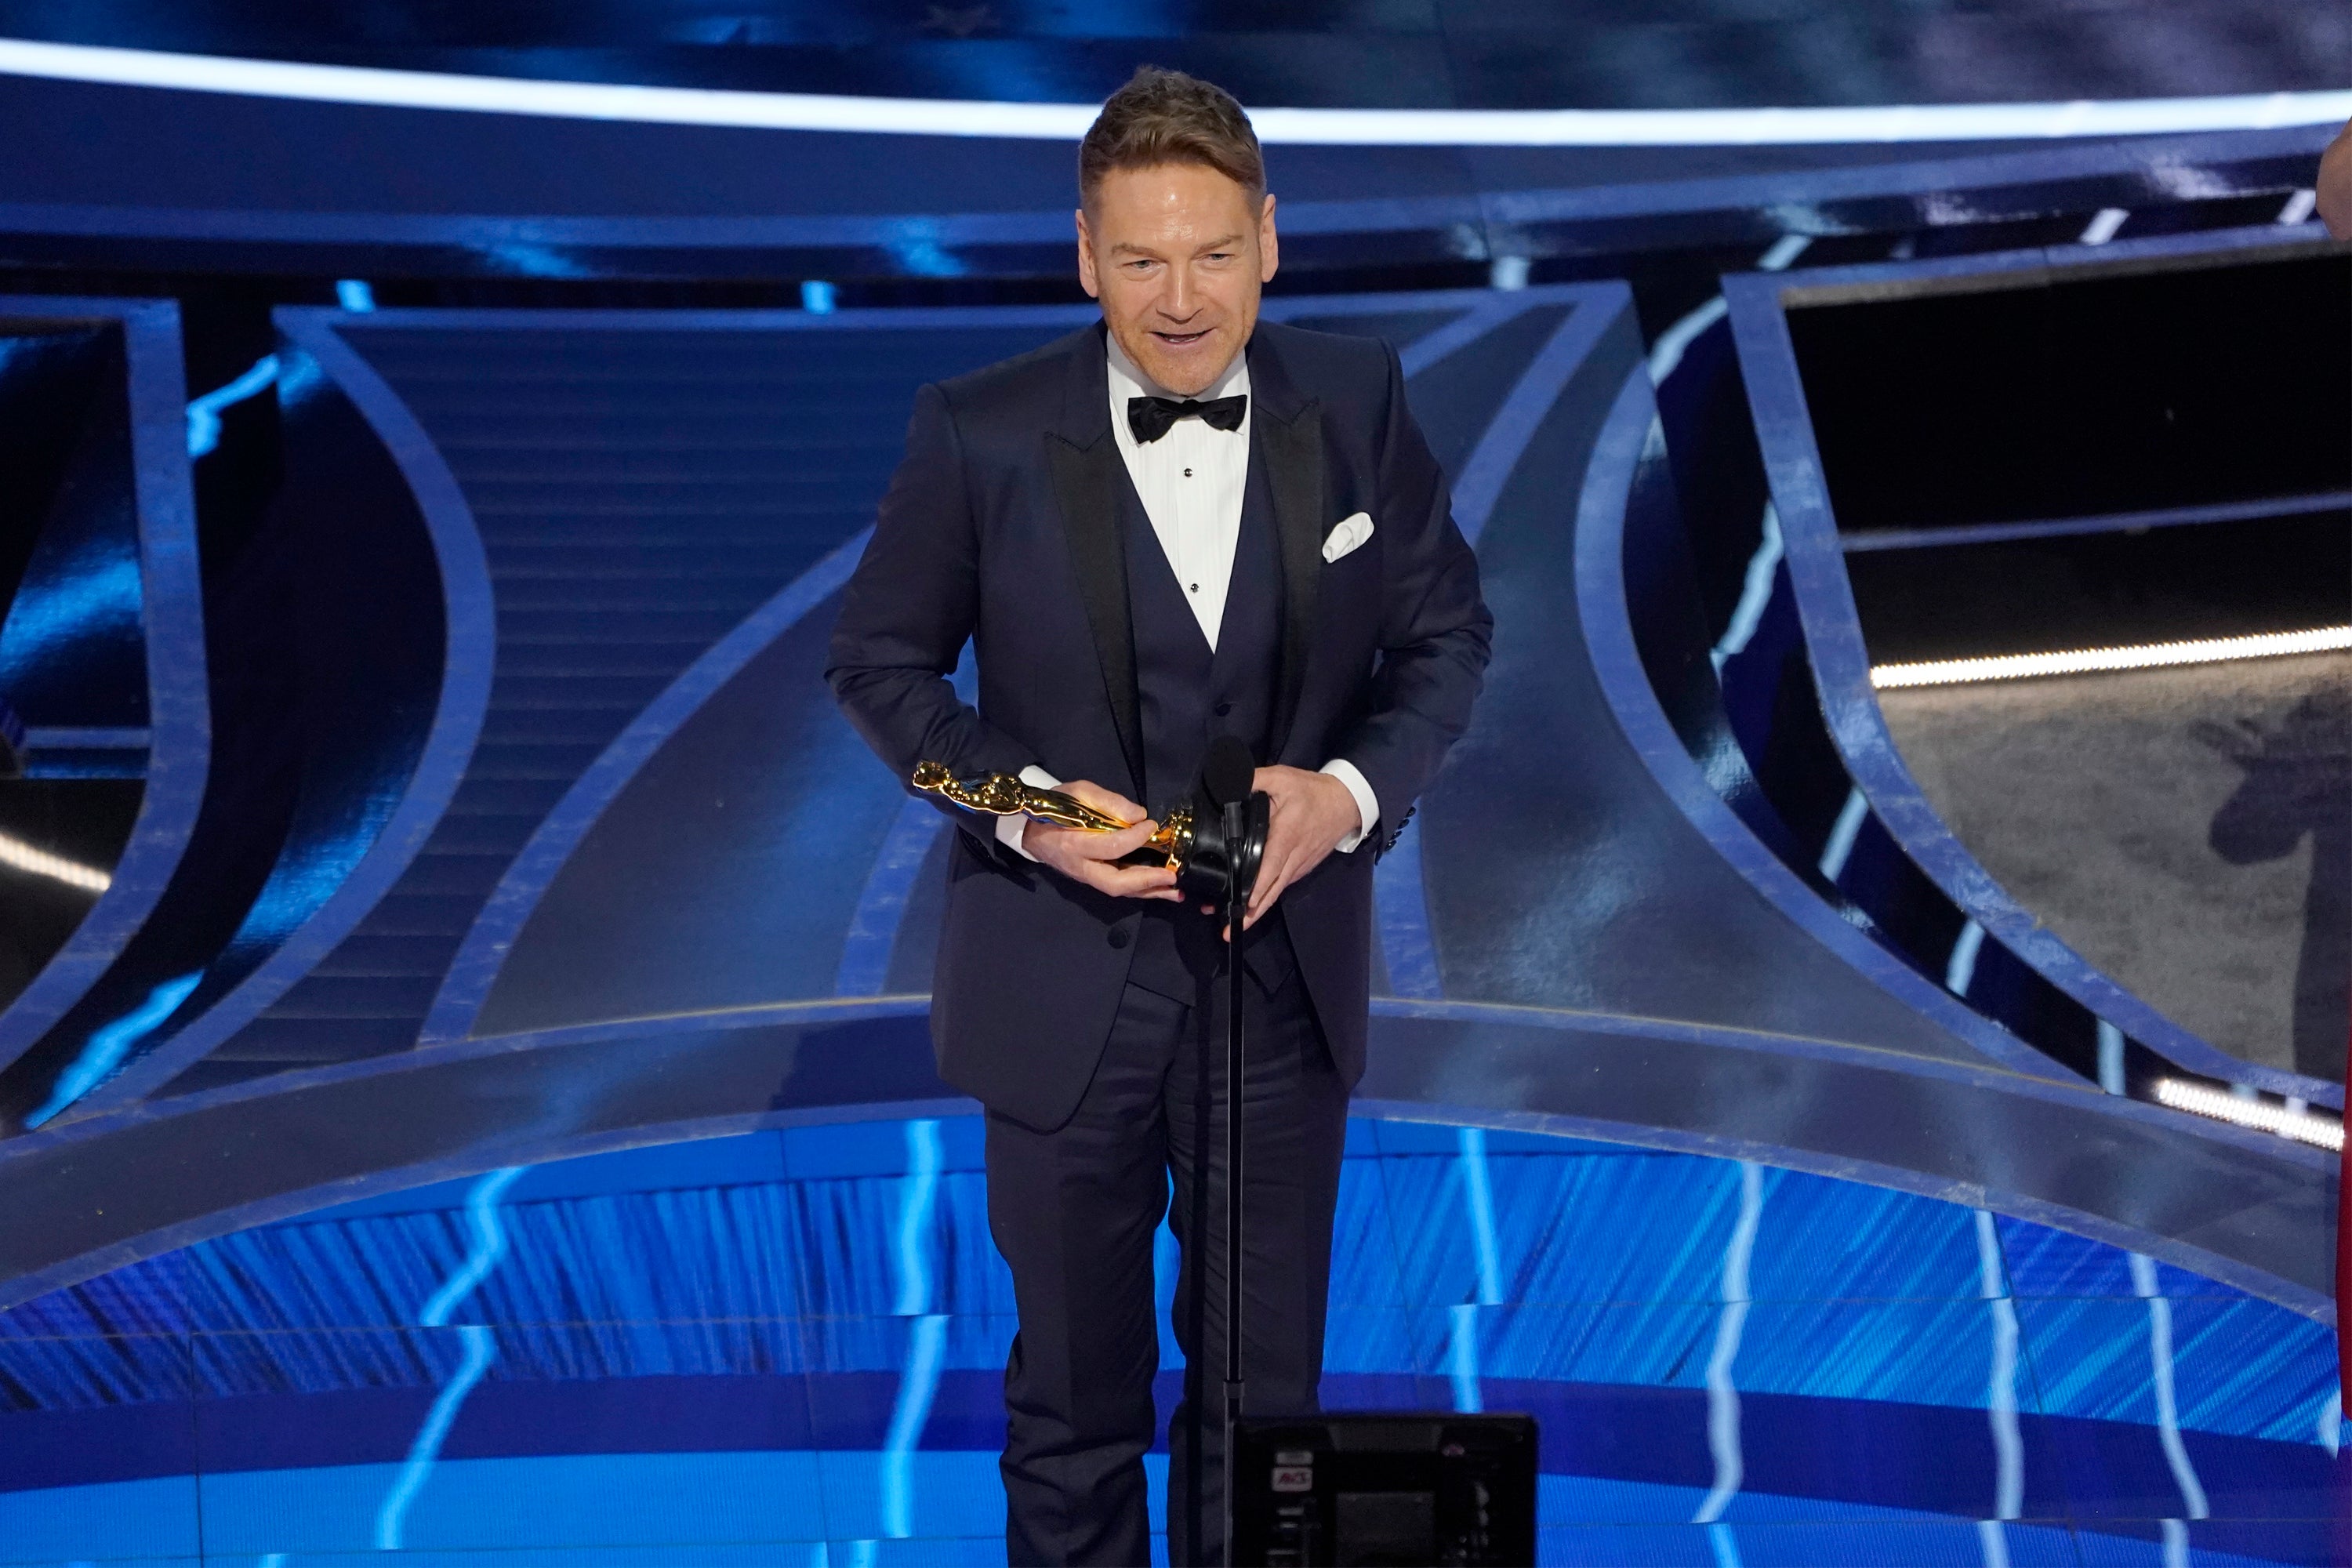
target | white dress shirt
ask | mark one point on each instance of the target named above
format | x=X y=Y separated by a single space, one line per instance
x=1190 y=482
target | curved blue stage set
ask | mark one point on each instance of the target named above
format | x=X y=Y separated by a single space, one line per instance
x=432 y=1129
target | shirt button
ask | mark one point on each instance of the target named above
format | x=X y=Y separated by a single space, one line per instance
x=1194 y=586
x=1188 y=473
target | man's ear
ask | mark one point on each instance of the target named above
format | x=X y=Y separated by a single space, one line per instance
x=1269 y=253
x=1088 y=279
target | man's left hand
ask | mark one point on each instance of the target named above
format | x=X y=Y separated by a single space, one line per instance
x=1310 y=815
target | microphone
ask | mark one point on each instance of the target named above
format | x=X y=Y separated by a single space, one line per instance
x=1229 y=825
x=1228 y=771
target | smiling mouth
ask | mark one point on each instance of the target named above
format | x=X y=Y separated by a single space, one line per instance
x=1181 y=340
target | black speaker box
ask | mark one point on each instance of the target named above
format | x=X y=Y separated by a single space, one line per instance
x=1410 y=1488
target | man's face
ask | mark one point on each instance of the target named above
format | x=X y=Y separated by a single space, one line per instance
x=1177 y=258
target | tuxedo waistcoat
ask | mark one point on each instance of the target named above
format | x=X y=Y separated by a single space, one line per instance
x=1184 y=695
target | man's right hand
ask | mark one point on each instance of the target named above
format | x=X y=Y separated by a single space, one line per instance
x=1091 y=858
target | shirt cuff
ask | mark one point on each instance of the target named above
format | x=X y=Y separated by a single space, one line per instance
x=1367 y=805
x=1010 y=829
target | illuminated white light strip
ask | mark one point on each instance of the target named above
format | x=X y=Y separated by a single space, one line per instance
x=927 y=1342
x=2168 y=1405
x=1961 y=971
x=1068 y=121
x=1461 y=1358
x=1843 y=832
x=2299 y=206
x=1723 y=1435
x=2079 y=661
x=479 y=1342
x=204 y=412
x=2000 y=1388
x=21 y=857
x=1478 y=1195
x=2111 y=1058
x=2259 y=1114
x=2103 y=226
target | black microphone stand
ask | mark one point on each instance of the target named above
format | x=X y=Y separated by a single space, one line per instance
x=1236 y=825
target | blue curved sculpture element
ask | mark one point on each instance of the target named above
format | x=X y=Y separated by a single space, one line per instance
x=356 y=844
x=735 y=845
x=141 y=543
x=1608 y=966
x=476 y=969
x=1617 y=490
x=1840 y=662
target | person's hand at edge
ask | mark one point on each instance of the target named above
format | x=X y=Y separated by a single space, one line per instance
x=1309 y=816
x=2334 y=185
x=1091 y=858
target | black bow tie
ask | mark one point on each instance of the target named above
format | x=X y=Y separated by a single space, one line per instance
x=1152 y=417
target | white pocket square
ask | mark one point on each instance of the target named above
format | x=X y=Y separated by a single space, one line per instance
x=1346 y=534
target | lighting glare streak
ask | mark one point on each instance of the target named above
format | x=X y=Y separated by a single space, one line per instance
x=1068 y=121
x=1479 y=1195
x=1843 y=832
x=480 y=1346
x=2259 y=1114
x=1755 y=592
x=1666 y=355
x=2080 y=661
x=2168 y=1407
x=2103 y=226
x=1963 y=969
x=926 y=1348
x=2331 y=1422
x=1722 y=1393
x=204 y=412
x=17 y=855
x=926 y=1343
x=2111 y=1058
x=2298 y=208
x=1462 y=1358
x=915 y=1219
x=2000 y=1403
x=110 y=1043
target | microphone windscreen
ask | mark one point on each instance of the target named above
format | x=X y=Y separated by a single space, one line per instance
x=1228 y=771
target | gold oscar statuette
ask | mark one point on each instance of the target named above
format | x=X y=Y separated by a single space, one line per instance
x=1004 y=795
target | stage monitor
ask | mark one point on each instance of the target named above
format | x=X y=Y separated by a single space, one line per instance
x=1408 y=1488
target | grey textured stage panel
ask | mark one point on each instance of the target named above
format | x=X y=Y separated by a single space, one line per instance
x=2187 y=830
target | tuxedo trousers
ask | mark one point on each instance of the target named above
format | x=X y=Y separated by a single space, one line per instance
x=1075 y=1211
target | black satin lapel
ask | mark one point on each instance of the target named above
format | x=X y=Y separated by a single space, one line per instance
x=1292 y=450
x=1086 y=482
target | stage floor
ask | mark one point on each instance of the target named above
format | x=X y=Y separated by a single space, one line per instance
x=785 y=1348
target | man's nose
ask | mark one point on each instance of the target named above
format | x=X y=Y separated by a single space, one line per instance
x=1179 y=299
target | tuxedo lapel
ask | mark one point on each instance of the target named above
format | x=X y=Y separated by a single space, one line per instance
x=1287 y=436
x=1090 y=484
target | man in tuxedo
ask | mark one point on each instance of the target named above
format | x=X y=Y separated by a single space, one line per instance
x=1181 y=523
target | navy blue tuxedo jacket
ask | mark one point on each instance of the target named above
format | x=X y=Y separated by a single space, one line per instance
x=1002 y=526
